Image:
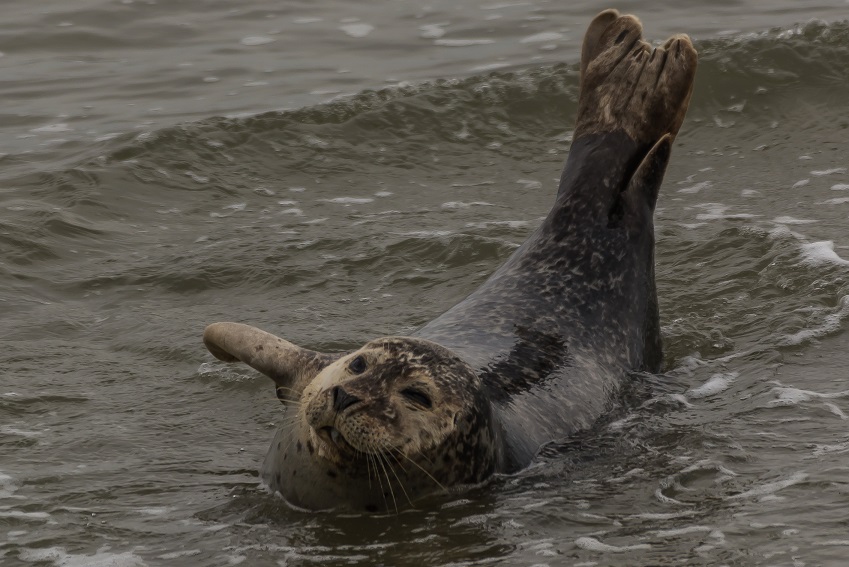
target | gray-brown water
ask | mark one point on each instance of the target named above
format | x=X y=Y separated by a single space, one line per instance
x=333 y=171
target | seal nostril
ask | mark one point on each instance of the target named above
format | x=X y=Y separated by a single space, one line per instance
x=342 y=399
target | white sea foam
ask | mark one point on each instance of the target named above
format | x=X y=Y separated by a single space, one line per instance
x=231 y=209
x=316 y=141
x=822 y=252
x=592 y=544
x=502 y=5
x=832 y=171
x=9 y=430
x=463 y=42
x=53 y=128
x=61 y=558
x=835 y=201
x=792 y=220
x=432 y=31
x=463 y=205
x=707 y=465
x=529 y=183
x=349 y=200
x=695 y=188
x=682 y=531
x=837 y=448
x=155 y=511
x=427 y=234
x=663 y=515
x=833 y=408
x=474 y=520
x=717 y=211
x=474 y=184
x=782 y=231
x=509 y=224
x=801 y=183
x=489 y=66
x=357 y=29
x=666 y=499
x=840 y=187
x=770 y=488
x=256 y=40
x=629 y=474
x=716 y=384
x=542 y=37
x=8 y=486
x=787 y=396
x=19 y=515
x=179 y=554
x=196 y=177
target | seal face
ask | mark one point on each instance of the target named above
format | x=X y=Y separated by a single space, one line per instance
x=378 y=427
x=399 y=402
x=533 y=355
x=397 y=395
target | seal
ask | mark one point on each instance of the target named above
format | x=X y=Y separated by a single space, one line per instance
x=535 y=354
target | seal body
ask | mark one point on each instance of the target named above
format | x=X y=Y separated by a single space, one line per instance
x=569 y=314
x=533 y=355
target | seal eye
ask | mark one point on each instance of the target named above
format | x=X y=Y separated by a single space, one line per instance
x=358 y=365
x=417 y=397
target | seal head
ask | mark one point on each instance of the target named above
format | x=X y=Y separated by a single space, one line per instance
x=396 y=419
x=406 y=398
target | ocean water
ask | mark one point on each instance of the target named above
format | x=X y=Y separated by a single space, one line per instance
x=334 y=171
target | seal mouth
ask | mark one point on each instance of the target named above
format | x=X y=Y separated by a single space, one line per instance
x=333 y=438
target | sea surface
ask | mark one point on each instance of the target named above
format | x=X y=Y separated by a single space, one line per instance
x=336 y=170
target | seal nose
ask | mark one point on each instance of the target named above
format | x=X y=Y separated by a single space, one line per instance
x=342 y=399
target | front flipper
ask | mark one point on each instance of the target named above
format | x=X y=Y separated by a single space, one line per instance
x=290 y=366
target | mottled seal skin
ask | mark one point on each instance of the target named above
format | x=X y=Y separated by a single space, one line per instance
x=535 y=354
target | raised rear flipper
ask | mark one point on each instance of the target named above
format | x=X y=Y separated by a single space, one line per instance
x=579 y=294
x=632 y=92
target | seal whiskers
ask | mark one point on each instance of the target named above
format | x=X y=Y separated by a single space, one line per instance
x=385 y=456
x=379 y=458
x=427 y=474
